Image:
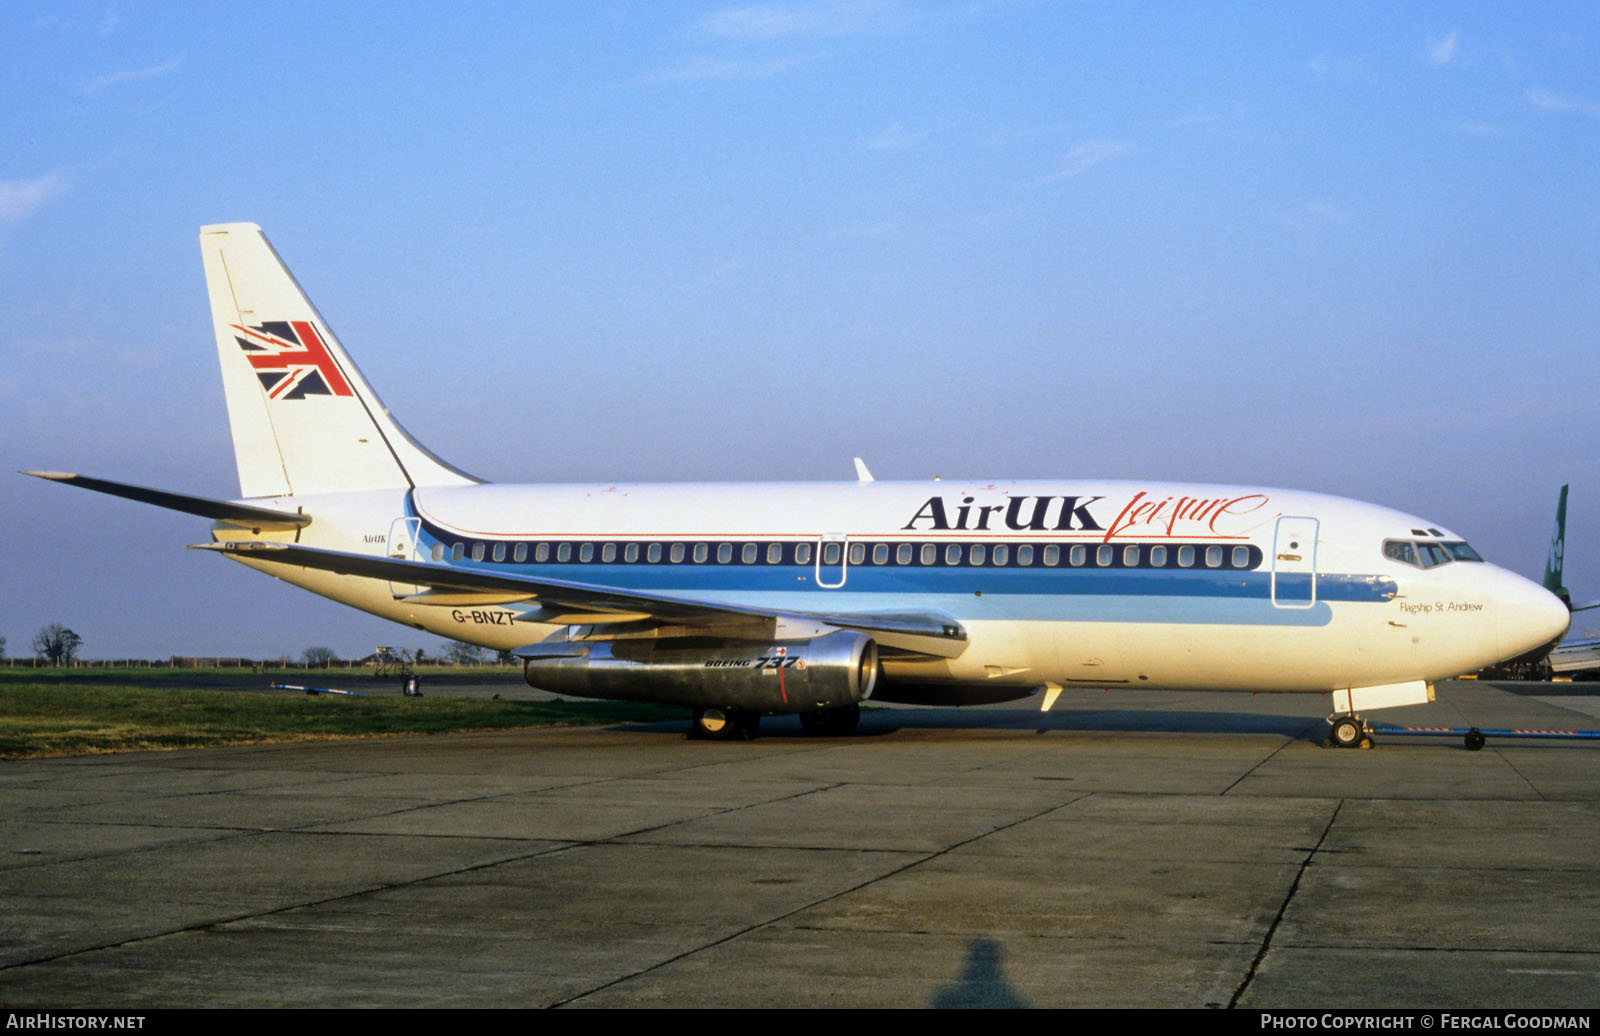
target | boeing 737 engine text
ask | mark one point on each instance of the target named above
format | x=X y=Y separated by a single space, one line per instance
x=739 y=601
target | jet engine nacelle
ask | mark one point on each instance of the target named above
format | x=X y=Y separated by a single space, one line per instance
x=758 y=676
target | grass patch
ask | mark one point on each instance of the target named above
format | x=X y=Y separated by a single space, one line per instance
x=87 y=713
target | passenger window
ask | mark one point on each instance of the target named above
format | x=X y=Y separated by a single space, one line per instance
x=457 y=551
x=858 y=553
x=563 y=552
x=541 y=553
x=774 y=553
x=802 y=553
x=1130 y=557
x=1105 y=555
x=1052 y=556
x=880 y=553
x=1002 y=554
x=930 y=554
x=1185 y=557
x=1024 y=555
x=952 y=554
x=701 y=552
x=902 y=554
x=1077 y=556
x=1241 y=557
x=831 y=552
x=1213 y=557
x=979 y=552
x=499 y=551
x=520 y=554
x=630 y=553
x=477 y=552
x=1158 y=557
x=747 y=553
x=586 y=552
x=652 y=553
x=677 y=553
x=438 y=552
x=724 y=553
x=608 y=553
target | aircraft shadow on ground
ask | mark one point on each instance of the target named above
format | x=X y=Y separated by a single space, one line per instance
x=885 y=722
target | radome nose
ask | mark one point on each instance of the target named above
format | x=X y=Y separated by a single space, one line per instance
x=1529 y=617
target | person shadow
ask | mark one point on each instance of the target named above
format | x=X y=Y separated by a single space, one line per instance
x=982 y=982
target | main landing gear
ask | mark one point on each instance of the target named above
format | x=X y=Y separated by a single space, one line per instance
x=724 y=725
x=718 y=724
x=831 y=722
x=1347 y=732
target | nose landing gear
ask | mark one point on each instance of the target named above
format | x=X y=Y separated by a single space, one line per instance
x=1347 y=732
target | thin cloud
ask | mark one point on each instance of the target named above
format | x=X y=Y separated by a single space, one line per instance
x=1442 y=51
x=880 y=230
x=20 y=199
x=893 y=137
x=1315 y=214
x=758 y=23
x=94 y=86
x=1332 y=66
x=1554 y=102
x=1086 y=156
x=701 y=67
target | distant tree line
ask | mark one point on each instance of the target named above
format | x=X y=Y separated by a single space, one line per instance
x=55 y=644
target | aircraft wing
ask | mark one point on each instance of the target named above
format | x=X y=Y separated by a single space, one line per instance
x=561 y=602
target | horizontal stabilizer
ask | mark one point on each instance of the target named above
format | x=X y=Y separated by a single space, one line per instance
x=243 y=515
x=930 y=633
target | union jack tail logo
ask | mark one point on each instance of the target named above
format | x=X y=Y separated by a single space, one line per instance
x=290 y=359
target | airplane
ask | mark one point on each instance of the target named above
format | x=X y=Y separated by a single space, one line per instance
x=746 y=600
x=1576 y=657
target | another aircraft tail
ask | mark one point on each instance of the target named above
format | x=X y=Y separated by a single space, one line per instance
x=304 y=419
x=1558 y=549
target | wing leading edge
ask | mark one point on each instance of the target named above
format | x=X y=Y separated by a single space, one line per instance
x=561 y=602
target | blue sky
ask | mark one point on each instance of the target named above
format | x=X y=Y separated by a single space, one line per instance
x=1351 y=248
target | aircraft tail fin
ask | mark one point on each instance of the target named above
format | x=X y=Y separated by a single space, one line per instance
x=1558 y=548
x=304 y=420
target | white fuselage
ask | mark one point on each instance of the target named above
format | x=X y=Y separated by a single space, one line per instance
x=1098 y=583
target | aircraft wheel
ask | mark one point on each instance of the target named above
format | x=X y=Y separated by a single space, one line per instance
x=747 y=723
x=844 y=719
x=723 y=724
x=1347 y=732
x=831 y=722
x=712 y=724
x=1474 y=739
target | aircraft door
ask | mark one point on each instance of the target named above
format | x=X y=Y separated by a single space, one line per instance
x=403 y=535
x=832 y=559
x=1294 y=562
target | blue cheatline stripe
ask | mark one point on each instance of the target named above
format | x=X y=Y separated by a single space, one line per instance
x=1039 y=608
x=976 y=592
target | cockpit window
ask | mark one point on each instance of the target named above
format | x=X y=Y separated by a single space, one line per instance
x=1432 y=554
x=1427 y=553
x=1400 y=550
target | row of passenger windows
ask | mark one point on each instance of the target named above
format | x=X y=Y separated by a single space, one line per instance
x=1426 y=554
x=833 y=552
